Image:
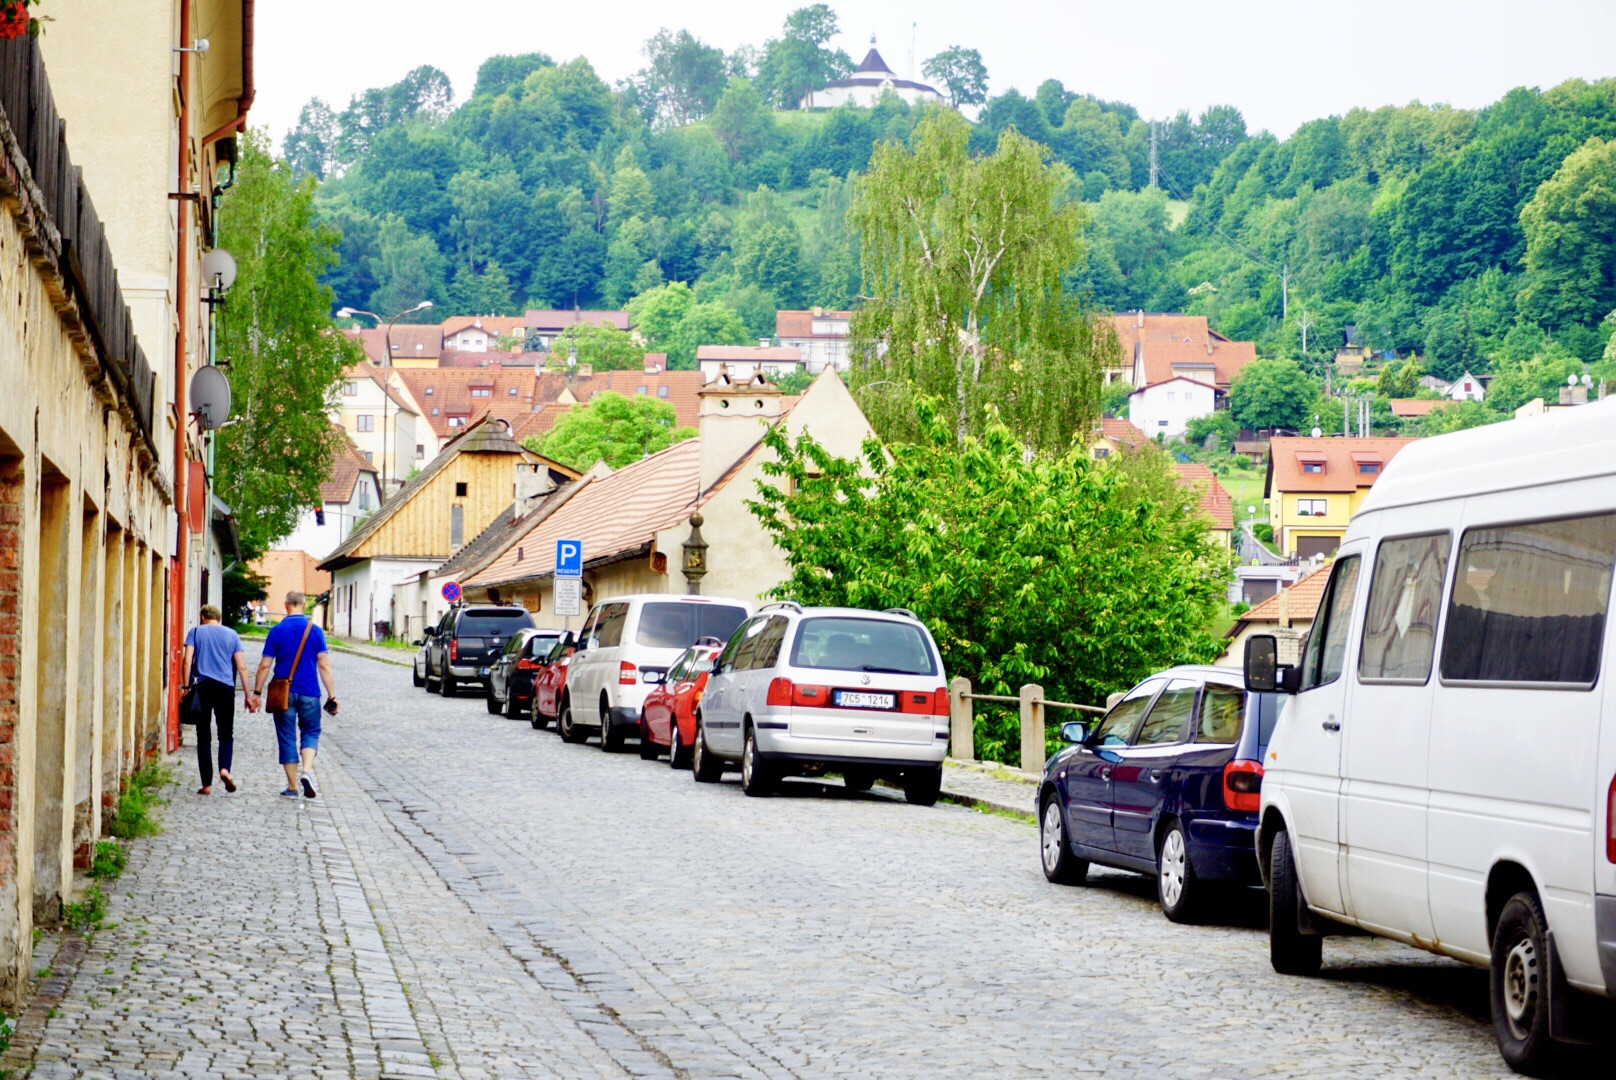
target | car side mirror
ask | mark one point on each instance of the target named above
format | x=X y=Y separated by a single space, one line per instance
x=654 y=678
x=1264 y=673
x=420 y=641
x=1074 y=732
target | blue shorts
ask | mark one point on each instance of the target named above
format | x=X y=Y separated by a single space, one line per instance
x=298 y=727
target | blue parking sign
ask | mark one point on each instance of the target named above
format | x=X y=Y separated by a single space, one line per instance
x=569 y=558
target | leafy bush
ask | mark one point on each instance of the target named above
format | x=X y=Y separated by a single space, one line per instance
x=109 y=860
x=132 y=814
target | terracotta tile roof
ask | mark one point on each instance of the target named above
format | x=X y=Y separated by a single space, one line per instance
x=371 y=342
x=1216 y=502
x=1415 y=406
x=463 y=358
x=450 y=392
x=417 y=341
x=683 y=386
x=368 y=370
x=495 y=325
x=551 y=319
x=800 y=324
x=1134 y=327
x=614 y=516
x=1339 y=456
x=504 y=531
x=1304 y=601
x=287 y=569
x=1121 y=431
x=1163 y=360
x=347 y=465
x=749 y=353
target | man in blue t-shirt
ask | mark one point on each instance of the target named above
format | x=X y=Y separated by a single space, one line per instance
x=297 y=730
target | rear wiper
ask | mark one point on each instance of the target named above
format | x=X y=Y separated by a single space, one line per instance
x=886 y=670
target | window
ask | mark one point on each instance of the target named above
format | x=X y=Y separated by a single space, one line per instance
x=662 y=391
x=726 y=659
x=434 y=410
x=1161 y=423
x=1221 y=710
x=1529 y=602
x=1405 y=598
x=1171 y=395
x=609 y=632
x=482 y=391
x=1368 y=468
x=368 y=459
x=364 y=422
x=1312 y=507
x=762 y=651
x=668 y=625
x=454 y=421
x=511 y=392
x=460 y=490
x=456 y=527
x=1313 y=466
x=1101 y=453
x=1327 y=641
x=364 y=496
x=1169 y=717
x=420 y=451
x=1119 y=723
x=429 y=391
x=486 y=622
x=350 y=389
x=841 y=643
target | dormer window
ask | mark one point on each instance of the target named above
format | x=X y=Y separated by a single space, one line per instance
x=482 y=391
x=429 y=391
x=1368 y=468
x=1313 y=466
x=662 y=391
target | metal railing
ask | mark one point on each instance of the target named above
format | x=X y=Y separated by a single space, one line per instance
x=1032 y=703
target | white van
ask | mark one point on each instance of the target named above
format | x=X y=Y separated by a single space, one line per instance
x=1445 y=773
x=626 y=646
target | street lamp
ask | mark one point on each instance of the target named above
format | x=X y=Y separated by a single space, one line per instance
x=387 y=360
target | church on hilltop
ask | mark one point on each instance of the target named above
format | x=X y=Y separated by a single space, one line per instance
x=865 y=86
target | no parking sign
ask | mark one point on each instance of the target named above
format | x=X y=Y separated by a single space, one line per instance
x=451 y=591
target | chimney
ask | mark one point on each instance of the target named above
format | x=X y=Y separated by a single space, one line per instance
x=733 y=417
x=763 y=343
x=532 y=484
x=1139 y=319
x=1284 y=606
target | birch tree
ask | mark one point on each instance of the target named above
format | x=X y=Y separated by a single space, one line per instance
x=964 y=261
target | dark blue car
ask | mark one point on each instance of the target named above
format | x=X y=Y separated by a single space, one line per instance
x=1166 y=783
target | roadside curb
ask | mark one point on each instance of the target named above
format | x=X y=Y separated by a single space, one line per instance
x=368 y=656
x=973 y=802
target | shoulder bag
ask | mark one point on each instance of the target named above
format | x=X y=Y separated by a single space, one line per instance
x=278 y=698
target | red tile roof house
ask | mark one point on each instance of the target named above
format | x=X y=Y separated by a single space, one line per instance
x=1182 y=370
x=819 y=336
x=1213 y=500
x=745 y=361
x=542 y=326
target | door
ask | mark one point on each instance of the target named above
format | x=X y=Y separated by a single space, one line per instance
x=1140 y=779
x=1089 y=769
x=582 y=684
x=1385 y=754
x=499 y=674
x=1306 y=753
x=719 y=718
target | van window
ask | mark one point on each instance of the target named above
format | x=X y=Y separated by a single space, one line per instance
x=746 y=656
x=1405 y=598
x=1221 y=710
x=1529 y=602
x=848 y=643
x=1119 y=723
x=678 y=625
x=1327 y=641
x=726 y=659
x=609 y=632
x=1169 y=717
x=769 y=642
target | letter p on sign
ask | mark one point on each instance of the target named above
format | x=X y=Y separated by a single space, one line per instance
x=569 y=560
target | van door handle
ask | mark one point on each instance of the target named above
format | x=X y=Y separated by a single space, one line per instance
x=1332 y=724
x=1155 y=776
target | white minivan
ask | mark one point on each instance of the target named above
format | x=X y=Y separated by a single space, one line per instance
x=1445 y=773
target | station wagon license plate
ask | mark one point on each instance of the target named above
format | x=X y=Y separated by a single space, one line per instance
x=482 y=671
x=859 y=699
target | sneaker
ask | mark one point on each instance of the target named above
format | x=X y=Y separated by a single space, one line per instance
x=309 y=790
x=288 y=794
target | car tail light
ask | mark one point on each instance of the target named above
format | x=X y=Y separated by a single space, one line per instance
x=780 y=691
x=1610 y=822
x=526 y=665
x=940 y=702
x=454 y=649
x=627 y=674
x=1242 y=785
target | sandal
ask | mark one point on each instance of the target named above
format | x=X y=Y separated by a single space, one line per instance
x=204 y=790
x=229 y=782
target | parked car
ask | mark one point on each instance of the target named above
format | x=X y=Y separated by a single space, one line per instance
x=467 y=640
x=668 y=718
x=1166 y=783
x=626 y=639
x=509 y=686
x=799 y=691
x=1445 y=773
x=550 y=681
x=418 y=668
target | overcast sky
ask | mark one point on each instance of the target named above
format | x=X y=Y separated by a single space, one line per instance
x=1280 y=63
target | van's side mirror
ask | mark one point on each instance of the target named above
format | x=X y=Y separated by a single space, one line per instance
x=1264 y=673
x=1074 y=732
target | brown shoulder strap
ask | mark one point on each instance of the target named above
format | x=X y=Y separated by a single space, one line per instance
x=291 y=672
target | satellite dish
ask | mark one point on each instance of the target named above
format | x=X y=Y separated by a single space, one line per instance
x=210 y=398
x=1317 y=432
x=218 y=269
x=1571 y=380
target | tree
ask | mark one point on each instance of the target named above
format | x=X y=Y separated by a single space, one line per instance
x=605 y=347
x=740 y=121
x=1274 y=394
x=311 y=146
x=961 y=73
x=969 y=535
x=1570 y=227
x=1457 y=416
x=771 y=255
x=1218 y=424
x=611 y=428
x=798 y=61
x=407 y=268
x=285 y=355
x=683 y=78
x=423 y=94
x=704 y=324
x=487 y=293
x=963 y=263
x=656 y=313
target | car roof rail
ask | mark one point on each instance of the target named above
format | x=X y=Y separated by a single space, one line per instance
x=789 y=604
x=905 y=612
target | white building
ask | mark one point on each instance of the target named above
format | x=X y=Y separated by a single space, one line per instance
x=865 y=86
x=1466 y=388
x=1166 y=408
x=481 y=333
x=742 y=362
x=820 y=336
x=351 y=494
x=383 y=425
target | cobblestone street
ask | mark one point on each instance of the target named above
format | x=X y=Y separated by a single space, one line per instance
x=469 y=897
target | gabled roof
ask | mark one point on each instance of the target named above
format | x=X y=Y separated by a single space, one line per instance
x=1303 y=604
x=1340 y=457
x=557 y=320
x=800 y=324
x=416 y=342
x=788 y=354
x=683 y=386
x=1225 y=358
x=482 y=437
x=1121 y=432
x=614 y=516
x=1216 y=503
x=367 y=370
x=347 y=466
x=1134 y=326
x=1173 y=379
x=1415 y=406
x=288 y=569
x=449 y=391
x=505 y=530
x=494 y=325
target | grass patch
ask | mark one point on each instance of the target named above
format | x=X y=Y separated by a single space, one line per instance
x=108 y=861
x=86 y=915
x=396 y=643
x=132 y=815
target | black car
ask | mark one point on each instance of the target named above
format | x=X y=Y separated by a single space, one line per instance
x=467 y=641
x=509 y=686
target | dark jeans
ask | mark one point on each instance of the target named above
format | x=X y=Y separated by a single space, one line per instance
x=220 y=699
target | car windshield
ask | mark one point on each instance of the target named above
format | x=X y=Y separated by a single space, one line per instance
x=848 y=643
x=500 y=621
x=680 y=625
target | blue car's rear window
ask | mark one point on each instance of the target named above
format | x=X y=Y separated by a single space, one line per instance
x=1268 y=707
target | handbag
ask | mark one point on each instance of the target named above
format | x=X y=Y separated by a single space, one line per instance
x=278 y=698
x=192 y=708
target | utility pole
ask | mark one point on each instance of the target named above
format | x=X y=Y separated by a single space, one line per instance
x=1155 y=166
x=1306 y=323
x=1285 y=294
x=1346 y=414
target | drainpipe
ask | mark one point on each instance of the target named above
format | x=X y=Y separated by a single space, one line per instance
x=176 y=572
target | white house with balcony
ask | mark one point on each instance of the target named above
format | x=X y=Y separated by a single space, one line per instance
x=1167 y=407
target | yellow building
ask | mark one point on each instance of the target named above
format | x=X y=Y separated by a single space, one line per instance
x=1314 y=486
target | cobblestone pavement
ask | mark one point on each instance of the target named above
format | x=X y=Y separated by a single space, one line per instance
x=469 y=897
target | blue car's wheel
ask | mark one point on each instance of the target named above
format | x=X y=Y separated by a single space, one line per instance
x=1060 y=865
x=1177 y=887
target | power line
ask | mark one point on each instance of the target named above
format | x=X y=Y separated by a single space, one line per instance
x=1282 y=272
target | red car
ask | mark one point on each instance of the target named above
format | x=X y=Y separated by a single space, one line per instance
x=668 y=718
x=550 y=681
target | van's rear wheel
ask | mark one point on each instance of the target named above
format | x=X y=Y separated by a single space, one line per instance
x=1289 y=950
x=565 y=727
x=757 y=777
x=611 y=735
x=1520 y=986
x=922 y=786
